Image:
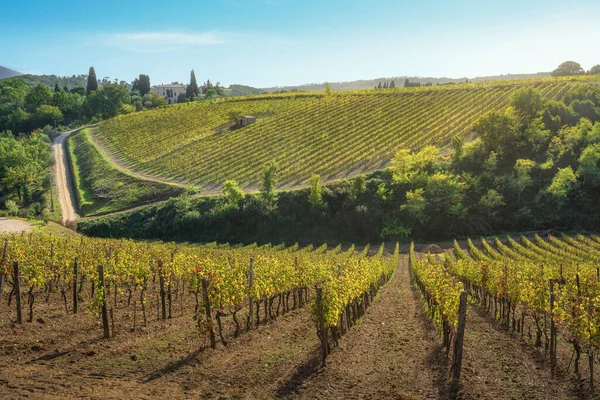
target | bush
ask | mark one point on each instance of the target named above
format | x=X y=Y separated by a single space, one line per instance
x=12 y=208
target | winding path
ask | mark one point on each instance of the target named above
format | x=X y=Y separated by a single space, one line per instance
x=66 y=195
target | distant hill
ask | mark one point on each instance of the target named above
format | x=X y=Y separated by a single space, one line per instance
x=8 y=73
x=399 y=82
x=242 y=90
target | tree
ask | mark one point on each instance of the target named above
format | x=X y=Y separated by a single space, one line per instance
x=588 y=163
x=327 y=89
x=211 y=94
x=595 y=70
x=141 y=84
x=233 y=193
x=522 y=179
x=79 y=90
x=38 y=96
x=415 y=205
x=392 y=84
x=562 y=184
x=527 y=102
x=92 y=82
x=359 y=186
x=109 y=100
x=182 y=98
x=234 y=115
x=568 y=68
x=56 y=88
x=491 y=201
x=267 y=191
x=47 y=114
x=498 y=132
x=192 y=88
x=380 y=86
x=315 y=197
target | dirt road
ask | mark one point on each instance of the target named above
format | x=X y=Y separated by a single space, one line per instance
x=63 y=183
x=14 y=225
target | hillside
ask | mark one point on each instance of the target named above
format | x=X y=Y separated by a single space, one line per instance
x=336 y=136
x=399 y=82
x=8 y=73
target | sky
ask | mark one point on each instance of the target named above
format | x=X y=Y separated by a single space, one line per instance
x=266 y=43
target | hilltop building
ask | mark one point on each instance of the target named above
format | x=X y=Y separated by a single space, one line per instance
x=170 y=91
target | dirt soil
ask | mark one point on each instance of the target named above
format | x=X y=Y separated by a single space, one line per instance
x=395 y=353
x=14 y=225
x=66 y=194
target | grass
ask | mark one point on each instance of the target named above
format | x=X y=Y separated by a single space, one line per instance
x=336 y=136
x=101 y=188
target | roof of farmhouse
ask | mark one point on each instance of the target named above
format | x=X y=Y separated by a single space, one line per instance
x=171 y=85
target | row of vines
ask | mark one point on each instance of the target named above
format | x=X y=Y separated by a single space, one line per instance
x=216 y=285
x=313 y=133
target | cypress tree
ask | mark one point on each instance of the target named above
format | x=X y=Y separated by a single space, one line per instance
x=192 y=89
x=392 y=84
x=56 y=88
x=92 y=82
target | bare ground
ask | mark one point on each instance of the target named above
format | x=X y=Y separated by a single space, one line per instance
x=395 y=353
x=14 y=225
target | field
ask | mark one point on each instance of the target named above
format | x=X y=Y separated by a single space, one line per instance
x=337 y=135
x=177 y=319
x=101 y=188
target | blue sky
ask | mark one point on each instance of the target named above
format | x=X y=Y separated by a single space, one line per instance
x=288 y=42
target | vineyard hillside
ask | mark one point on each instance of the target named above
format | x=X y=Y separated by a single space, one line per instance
x=336 y=135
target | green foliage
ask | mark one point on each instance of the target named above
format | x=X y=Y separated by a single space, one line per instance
x=92 y=82
x=498 y=132
x=211 y=94
x=522 y=179
x=568 y=68
x=267 y=191
x=588 y=163
x=38 y=96
x=562 y=184
x=327 y=89
x=108 y=100
x=11 y=207
x=233 y=193
x=192 y=88
x=24 y=163
x=527 y=103
x=491 y=201
x=315 y=197
x=595 y=70
x=141 y=84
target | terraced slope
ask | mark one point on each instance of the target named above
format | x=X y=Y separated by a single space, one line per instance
x=336 y=136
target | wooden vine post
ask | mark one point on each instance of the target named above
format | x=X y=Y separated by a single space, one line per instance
x=552 y=328
x=250 y=299
x=458 y=340
x=2 y=275
x=161 y=279
x=17 y=283
x=75 y=278
x=322 y=330
x=209 y=324
x=103 y=306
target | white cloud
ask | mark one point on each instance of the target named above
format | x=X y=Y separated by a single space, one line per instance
x=156 y=42
x=169 y=38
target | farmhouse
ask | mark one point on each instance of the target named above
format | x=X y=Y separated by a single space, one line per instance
x=247 y=120
x=170 y=91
